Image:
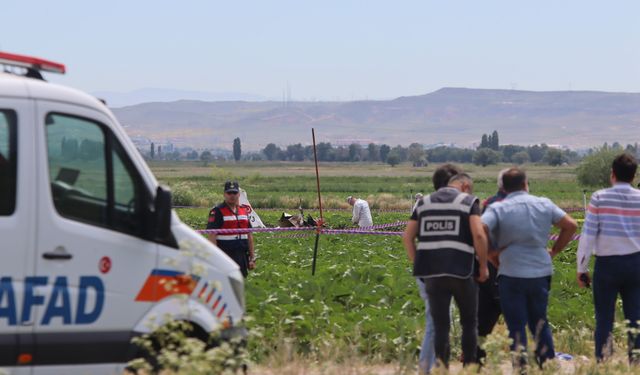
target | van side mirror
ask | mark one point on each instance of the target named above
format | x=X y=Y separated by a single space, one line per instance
x=162 y=212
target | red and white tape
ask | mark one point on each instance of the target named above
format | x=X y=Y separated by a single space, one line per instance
x=375 y=210
x=365 y=230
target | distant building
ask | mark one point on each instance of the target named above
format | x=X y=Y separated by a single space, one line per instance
x=438 y=144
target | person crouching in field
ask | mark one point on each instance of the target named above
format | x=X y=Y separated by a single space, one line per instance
x=520 y=226
x=611 y=230
x=449 y=232
x=361 y=212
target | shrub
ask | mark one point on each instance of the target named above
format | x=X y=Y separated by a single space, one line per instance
x=182 y=195
x=393 y=159
x=486 y=156
x=520 y=157
x=554 y=157
x=174 y=348
x=595 y=169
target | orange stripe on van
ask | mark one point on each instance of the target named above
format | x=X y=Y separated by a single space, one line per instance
x=164 y=283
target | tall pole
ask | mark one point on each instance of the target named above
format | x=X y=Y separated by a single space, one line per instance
x=315 y=157
x=315 y=248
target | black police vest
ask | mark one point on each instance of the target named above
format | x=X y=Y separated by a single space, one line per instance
x=445 y=244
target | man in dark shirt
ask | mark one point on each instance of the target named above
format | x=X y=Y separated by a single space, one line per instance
x=449 y=232
x=489 y=309
x=231 y=215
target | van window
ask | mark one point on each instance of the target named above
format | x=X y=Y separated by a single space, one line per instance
x=92 y=180
x=8 y=162
x=128 y=192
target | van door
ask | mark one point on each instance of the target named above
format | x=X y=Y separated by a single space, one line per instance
x=92 y=257
x=17 y=229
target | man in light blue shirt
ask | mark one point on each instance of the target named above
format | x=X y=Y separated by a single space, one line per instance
x=520 y=226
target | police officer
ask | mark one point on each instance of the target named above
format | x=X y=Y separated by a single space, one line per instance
x=232 y=215
x=450 y=234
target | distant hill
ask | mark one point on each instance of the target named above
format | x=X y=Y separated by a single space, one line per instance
x=450 y=115
x=122 y=99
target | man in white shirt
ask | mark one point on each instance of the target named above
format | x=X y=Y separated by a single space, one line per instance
x=361 y=212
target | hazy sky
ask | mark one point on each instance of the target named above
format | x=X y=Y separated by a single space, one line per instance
x=332 y=49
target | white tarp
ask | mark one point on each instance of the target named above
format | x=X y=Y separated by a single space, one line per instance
x=253 y=216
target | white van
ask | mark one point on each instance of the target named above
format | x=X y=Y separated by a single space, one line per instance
x=90 y=251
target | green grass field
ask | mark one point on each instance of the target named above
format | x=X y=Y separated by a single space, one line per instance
x=363 y=300
x=289 y=185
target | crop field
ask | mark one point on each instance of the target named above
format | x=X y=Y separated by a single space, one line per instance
x=363 y=301
x=290 y=185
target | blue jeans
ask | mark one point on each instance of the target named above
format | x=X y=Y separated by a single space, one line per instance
x=427 y=352
x=613 y=275
x=524 y=303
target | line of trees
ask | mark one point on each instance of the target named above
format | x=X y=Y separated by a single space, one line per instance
x=418 y=156
x=87 y=149
x=489 y=151
x=354 y=152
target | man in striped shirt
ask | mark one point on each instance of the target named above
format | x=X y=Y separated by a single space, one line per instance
x=612 y=231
